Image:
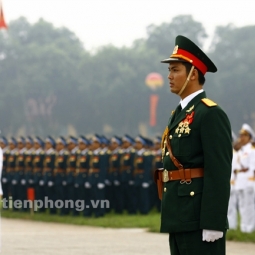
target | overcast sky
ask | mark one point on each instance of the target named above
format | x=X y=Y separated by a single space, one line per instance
x=120 y=22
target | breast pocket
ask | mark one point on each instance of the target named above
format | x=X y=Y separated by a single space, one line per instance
x=189 y=201
x=181 y=144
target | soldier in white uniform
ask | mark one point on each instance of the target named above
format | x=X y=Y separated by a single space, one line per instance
x=232 y=206
x=244 y=183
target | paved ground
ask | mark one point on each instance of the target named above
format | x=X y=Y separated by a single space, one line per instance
x=21 y=237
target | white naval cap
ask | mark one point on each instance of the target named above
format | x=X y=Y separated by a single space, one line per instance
x=247 y=129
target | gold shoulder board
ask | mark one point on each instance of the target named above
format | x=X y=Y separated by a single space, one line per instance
x=208 y=102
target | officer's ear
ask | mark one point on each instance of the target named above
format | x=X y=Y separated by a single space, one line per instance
x=194 y=75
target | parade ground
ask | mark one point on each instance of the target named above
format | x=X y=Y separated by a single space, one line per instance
x=20 y=237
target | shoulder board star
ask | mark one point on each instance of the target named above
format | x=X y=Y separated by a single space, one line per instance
x=208 y=102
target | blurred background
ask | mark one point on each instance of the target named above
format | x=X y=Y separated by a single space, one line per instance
x=75 y=67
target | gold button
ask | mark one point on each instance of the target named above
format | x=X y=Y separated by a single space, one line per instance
x=192 y=193
x=179 y=135
x=164 y=189
x=170 y=136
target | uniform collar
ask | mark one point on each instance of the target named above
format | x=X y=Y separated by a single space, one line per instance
x=175 y=120
x=187 y=99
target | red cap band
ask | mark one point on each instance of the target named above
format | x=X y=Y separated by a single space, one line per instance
x=195 y=61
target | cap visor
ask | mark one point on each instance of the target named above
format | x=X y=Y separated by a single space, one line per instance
x=168 y=60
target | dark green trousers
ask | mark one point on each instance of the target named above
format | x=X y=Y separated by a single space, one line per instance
x=190 y=243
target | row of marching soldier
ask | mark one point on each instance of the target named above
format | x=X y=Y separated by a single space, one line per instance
x=242 y=196
x=117 y=170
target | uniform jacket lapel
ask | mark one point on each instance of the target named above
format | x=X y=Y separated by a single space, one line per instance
x=177 y=119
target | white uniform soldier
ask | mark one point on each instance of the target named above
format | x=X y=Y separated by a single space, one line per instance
x=244 y=183
x=232 y=206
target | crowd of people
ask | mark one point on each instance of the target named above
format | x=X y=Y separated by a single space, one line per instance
x=242 y=196
x=118 y=170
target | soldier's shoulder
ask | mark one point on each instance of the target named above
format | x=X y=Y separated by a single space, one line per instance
x=90 y=153
x=208 y=102
x=147 y=153
x=42 y=153
x=133 y=151
x=66 y=153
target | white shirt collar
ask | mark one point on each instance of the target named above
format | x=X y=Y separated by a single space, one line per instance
x=187 y=99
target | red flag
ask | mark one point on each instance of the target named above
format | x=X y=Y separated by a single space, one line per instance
x=31 y=194
x=153 y=110
x=2 y=21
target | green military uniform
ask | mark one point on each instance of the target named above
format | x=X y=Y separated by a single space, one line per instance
x=5 y=176
x=38 y=161
x=200 y=138
x=48 y=173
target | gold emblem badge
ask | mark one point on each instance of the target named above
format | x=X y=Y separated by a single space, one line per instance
x=165 y=176
x=175 y=49
x=190 y=109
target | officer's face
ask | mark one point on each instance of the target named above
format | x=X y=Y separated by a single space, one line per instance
x=177 y=76
x=244 y=138
x=20 y=145
x=48 y=145
x=60 y=146
x=82 y=146
x=71 y=146
x=96 y=145
x=12 y=146
x=2 y=145
x=138 y=145
x=157 y=146
x=114 y=145
x=37 y=145
x=125 y=145
x=29 y=145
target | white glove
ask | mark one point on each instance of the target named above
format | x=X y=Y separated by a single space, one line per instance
x=50 y=183
x=64 y=183
x=107 y=182
x=100 y=185
x=87 y=185
x=76 y=185
x=41 y=182
x=131 y=182
x=4 y=180
x=14 y=182
x=116 y=183
x=145 y=184
x=211 y=235
x=23 y=182
x=31 y=181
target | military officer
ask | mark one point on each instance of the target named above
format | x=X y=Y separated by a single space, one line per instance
x=11 y=167
x=127 y=175
x=105 y=149
x=197 y=155
x=156 y=163
x=38 y=161
x=5 y=179
x=81 y=177
x=48 y=173
x=142 y=175
x=20 y=171
x=113 y=174
x=245 y=177
x=60 y=171
x=71 y=171
x=29 y=156
x=96 y=178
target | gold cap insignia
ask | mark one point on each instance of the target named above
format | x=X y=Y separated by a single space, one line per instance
x=175 y=49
